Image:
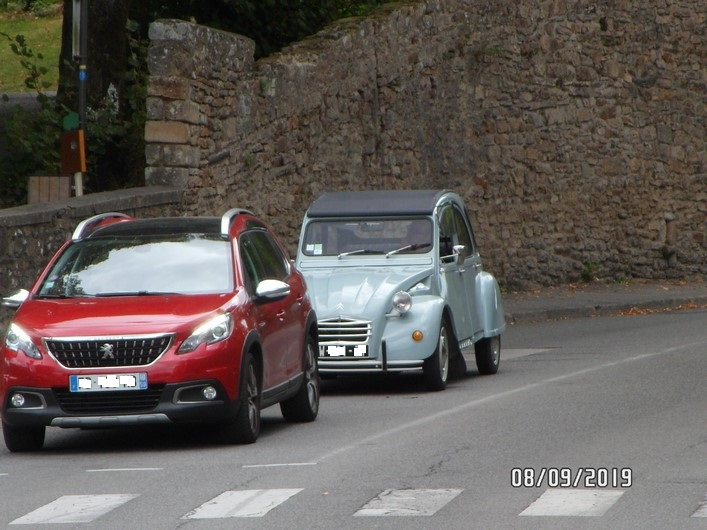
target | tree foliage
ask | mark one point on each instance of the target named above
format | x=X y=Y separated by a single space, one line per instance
x=272 y=24
x=31 y=139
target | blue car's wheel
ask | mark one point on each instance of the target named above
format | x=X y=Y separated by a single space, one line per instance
x=435 y=371
x=488 y=355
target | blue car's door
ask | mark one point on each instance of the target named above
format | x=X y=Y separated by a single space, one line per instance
x=458 y=276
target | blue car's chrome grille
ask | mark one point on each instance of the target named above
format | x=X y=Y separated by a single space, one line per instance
x=100 y=352
x=344 y=331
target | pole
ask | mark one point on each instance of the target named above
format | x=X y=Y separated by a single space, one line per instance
x=83 y=76
x=83 y=59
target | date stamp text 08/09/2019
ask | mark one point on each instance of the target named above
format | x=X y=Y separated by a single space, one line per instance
x=567 y=477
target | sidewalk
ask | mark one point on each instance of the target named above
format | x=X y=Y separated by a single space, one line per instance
x=598 y=299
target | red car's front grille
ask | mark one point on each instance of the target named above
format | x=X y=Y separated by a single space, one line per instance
x=100 y=352
x=101 y=403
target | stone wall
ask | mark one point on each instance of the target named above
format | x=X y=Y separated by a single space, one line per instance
x=575 y=130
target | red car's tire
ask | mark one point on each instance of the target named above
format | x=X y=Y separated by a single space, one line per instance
x=304 y=406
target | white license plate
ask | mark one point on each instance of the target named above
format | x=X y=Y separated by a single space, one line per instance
x=334 y=350
x=103 y=382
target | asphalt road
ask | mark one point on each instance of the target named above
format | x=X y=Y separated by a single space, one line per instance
x=613 y=408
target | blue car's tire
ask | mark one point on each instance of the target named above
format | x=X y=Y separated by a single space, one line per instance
x=488 y=355
x=435 y=370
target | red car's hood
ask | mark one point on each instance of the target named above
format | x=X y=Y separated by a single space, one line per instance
x=129 y=315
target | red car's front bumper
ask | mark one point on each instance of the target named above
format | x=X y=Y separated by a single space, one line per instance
x=175 y=390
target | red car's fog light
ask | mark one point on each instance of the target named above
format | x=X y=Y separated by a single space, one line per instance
x=27 y=400
x=17 y=400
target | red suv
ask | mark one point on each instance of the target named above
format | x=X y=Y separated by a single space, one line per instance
x=145 y=321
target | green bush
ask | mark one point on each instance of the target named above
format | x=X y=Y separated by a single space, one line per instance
x=31 y=139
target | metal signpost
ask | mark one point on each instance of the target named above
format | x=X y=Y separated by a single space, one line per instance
x=79 y=52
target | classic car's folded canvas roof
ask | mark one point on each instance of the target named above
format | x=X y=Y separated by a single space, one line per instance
x=375 y=202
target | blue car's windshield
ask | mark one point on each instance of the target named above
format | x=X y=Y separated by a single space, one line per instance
x=365 y=237
x=141 y=265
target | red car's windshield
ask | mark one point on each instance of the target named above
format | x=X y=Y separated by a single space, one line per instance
x=139 y=265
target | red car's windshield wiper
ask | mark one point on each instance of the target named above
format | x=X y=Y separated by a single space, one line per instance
x=133 y=293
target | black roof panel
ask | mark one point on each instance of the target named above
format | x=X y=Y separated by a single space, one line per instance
x=162 y=226
x=375 y=202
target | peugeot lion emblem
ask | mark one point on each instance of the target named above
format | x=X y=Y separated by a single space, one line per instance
x=107 y=351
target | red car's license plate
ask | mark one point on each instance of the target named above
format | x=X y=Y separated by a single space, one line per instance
x=104 y=382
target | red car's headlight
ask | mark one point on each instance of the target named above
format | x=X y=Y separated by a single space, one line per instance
x=213 y=330
x=18 y=340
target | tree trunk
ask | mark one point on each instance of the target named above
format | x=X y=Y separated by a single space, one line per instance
x=115 y=152
x=106 y=54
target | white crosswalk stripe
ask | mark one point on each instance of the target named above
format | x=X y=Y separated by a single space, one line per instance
x=702 y=509
x=74 y=509
x=574 y=502
x=243 y=503
x=390 y=502
x=408 y=502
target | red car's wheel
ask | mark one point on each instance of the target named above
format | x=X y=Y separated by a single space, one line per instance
x=19 y=439
x=304 y=406
x=245 y=427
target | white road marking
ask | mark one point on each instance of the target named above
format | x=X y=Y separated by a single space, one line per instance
x=514 y=353
x=560 y=502
x=110 y=470
x=454 y=411
x=408 y=502
x=702 y=510
x=244 y=503
x=293 y=464
x=74 y=509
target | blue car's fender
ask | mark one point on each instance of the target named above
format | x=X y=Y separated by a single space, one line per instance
x=489 y=305
x=425 y=316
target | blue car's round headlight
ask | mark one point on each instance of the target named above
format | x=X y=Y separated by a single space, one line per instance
x=402 y=302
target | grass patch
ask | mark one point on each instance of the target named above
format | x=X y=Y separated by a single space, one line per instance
x=43 y=36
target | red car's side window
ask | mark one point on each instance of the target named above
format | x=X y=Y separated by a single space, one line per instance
x=262 y=258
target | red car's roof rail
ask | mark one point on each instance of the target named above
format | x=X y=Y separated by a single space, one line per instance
x=87 y=226
x=229 y=217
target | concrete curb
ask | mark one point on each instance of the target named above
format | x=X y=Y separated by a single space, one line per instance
x=586 y=311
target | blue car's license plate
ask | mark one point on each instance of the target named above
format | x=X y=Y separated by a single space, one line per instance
x=103 y=382
x=333 y=350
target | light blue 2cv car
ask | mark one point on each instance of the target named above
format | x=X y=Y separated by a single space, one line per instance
x=398 y=285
